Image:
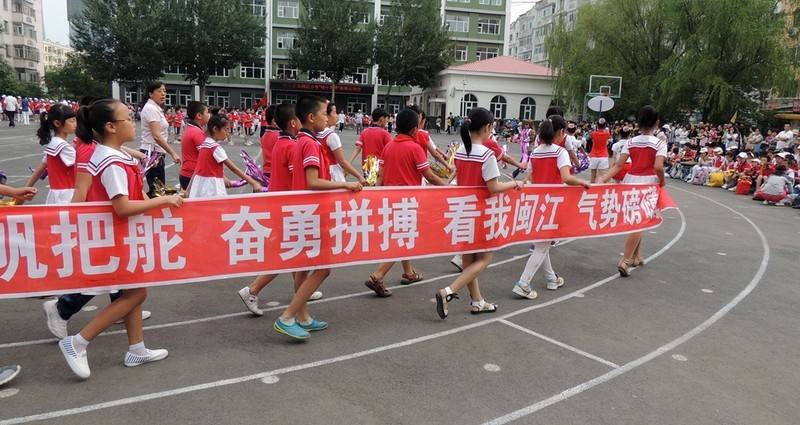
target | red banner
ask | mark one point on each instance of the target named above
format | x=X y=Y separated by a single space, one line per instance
x=82 y=247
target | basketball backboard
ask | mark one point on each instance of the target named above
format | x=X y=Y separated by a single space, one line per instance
x=605 y=85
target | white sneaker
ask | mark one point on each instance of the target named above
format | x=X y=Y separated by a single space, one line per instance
x=79 y=363
x=525 y=291
x=250 y=301
x=230 y=143
x=559 y=282
x=132 y=360
x=248 y=143
x=145 y=315
x=456 y=261
x=315 y=296
x=57 y=325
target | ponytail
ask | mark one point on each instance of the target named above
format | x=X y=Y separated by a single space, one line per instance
x=477 y=119
x=92 y=119
x=58 y=112
x=546 y=132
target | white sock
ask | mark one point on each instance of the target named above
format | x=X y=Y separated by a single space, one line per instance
x=307 y=322
x=289 y=321
x=478 y=303
x=79 y=343
x=447 y=290
x=138 y=349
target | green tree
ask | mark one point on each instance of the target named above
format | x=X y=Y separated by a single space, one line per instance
x=73 y=80
x=8 y=81
x=679 y=55
x=208 y=35
x=122 y=39
x=412 y=45
x=331 y=39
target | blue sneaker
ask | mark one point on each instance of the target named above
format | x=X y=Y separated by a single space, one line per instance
x=294 y=331
x=315 y=325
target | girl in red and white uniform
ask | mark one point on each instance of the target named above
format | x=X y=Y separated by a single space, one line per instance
x=616 y=150
x=332 y=149
x=647 y=153
x=475 y=165
x=116 y=177
x=550 y=164
x=209 y=176
x=59 y=158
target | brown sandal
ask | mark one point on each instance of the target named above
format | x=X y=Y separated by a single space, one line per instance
x=408 y=279
x=377 y=285
x=624 y=267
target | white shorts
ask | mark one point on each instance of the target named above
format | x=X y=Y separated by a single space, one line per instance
x=59 y=196
x=630 y=178
x=337 y=173
x=598 y=163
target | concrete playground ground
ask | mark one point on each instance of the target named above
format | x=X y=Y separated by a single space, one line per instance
x=705 y=333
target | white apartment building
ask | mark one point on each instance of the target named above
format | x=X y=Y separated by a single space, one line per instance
x=530 y=31
x=55 y=54
x=22 y=37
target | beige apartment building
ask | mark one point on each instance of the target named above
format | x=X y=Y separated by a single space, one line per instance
x=22 y=38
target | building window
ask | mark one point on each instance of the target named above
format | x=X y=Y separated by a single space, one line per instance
x=223 y=99
x=210 y=98
x=498 y=107
x=468 y=103
x=460 y=52
x=527 y=109
x=22 y=51
x=286 y=40
x=18 y=29
x=246 y=100
x=354 y=106
x=284 y=98
x=184 y=97
x=258 y=7
x=488 y=26
x=173 y=69
x=483 y=53
x=491 y=2
x=172 y=97
x=458 y=1
x=360 y=76
x=252 y=70
x=285 y=72
x=220 y=71
x=456 y=23
x=360 y=18
x=288 y=8
x=318 y=75
x=131 y=95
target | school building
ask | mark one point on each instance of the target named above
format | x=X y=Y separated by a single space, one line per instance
x=478 y=28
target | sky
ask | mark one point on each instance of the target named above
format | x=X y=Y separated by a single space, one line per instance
x=56 y=27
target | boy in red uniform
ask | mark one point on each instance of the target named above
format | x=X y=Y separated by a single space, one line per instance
x=404 y=163
x=309 y=172
x=247 y=123
x=192 y=138
x=374 y=138
x=269 y=136
x=177 y=121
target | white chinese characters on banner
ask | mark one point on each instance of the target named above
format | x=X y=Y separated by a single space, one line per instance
x=141 y=242
x=247 y=236
x=586 y=205
x=462 y=212
x=609 y=209
x=524 y=212
x=631 y=212
x=399 y=223
x=550 y=205
x=354 y=223
x=21 y=244
x=66 y=231
x=300 y=231
x=497 y=208
x=167 y=244
x=96 y=230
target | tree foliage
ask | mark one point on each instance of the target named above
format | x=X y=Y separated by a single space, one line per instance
x=73 y=80
x=123 y=39
x=207 y=35
x=331 y=40
x=716 y=56
x=412 y=45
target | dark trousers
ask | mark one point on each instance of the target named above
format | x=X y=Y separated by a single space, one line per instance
x=10 y=115
x=184 y=181
x=158 y=172
x=70 y=304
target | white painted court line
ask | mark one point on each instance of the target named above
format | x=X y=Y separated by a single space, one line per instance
x=561 y=344
x=332 y=360
x=21 y=157
x=533 y=408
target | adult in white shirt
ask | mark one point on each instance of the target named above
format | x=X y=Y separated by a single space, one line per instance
x=359 y=122
x=11 y=110
x=785 y=139
x=340 y=121
x=154 y=127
